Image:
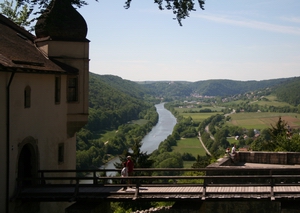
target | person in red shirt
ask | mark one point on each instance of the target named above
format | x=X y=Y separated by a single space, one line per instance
x=129 y=165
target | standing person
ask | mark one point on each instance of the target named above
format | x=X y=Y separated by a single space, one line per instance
x=233 y=153
x=129 y=165
x=233 y=150
x=124 y=173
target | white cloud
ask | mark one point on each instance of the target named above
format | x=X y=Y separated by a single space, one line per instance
x=291 y=19
x=238 y=21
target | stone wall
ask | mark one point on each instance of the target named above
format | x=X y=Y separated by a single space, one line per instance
x=259 y=206
x=281 y=158
x=284 y=158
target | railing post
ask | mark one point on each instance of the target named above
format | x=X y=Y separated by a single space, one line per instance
x=272 y=185
x=95 y=179
x=76 y=190
x=43 y=181
x=137 y=189
x=204 y=190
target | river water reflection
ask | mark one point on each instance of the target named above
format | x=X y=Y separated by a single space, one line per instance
x=158 y=134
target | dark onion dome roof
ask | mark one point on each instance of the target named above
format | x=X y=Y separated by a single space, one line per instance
x=61 y=21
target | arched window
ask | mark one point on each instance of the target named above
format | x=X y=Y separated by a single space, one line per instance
x=27 y=97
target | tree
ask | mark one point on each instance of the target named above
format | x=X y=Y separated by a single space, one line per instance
x=279 y=129
x=202 y=161
x=16 y=12
x=181 y=8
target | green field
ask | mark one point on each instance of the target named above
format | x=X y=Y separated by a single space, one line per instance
x=272 y=101
x=199 y=117
x=262 y=120
x=189 y=145
x=196 y=109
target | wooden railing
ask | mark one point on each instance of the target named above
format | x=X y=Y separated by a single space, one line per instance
x=224 y=176
x=146 y=177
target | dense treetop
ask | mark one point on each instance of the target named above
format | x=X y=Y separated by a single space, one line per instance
x=180 y=8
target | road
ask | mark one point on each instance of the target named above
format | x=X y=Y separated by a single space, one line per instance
x=203 y=144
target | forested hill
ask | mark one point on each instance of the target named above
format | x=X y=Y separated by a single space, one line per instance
x=207 y=87
x=289 y=91
x=117 y=91
x=230 y=87
x=113 y=101
x=128 y=87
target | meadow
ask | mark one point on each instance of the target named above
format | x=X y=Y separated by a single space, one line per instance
x=271 y=100
x=189 y=145
x=196 y=116
x=262 y=120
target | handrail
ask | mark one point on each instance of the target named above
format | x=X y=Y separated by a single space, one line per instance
x=166 y=177
x=171 y=169
x=210 y=178
x=268 y=174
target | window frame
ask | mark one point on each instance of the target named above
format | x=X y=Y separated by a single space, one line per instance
x=57 y=89
x=61 y=153
x=27 y=97
x=72 y=89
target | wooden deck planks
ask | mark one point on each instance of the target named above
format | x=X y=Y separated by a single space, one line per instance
x=287 y=189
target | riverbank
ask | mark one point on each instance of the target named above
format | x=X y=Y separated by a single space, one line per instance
x=158 y=134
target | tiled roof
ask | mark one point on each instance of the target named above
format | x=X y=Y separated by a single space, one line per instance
x=18 y=52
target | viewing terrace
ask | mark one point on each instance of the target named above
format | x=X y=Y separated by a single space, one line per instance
x=244 y=179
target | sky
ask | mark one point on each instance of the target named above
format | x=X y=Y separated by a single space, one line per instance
x=233 y=39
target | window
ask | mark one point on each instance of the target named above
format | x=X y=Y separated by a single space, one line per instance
x=27 y=96
x=61 y=150
x=72 y=89
x=57 y=89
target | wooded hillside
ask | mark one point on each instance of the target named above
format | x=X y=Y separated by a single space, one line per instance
x=289 y=91
x=114 y=101
x=208 y=87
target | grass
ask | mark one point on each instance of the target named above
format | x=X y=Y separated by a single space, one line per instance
x=262 y=120
x=237 y=102
x=189 y=145
x=199 y=117
x=272 y=103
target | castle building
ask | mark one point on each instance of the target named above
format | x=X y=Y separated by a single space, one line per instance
x=43 y=100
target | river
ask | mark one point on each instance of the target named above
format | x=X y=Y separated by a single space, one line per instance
x=158 y=134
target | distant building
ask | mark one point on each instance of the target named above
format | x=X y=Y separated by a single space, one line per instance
x=43 y=99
